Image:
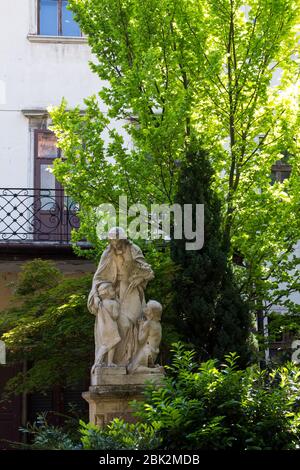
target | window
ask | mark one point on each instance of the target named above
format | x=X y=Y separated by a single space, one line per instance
x=46 y=145
x=55 y=19
x=280 y=172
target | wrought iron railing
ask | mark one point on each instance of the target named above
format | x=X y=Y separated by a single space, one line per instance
x=36 y=215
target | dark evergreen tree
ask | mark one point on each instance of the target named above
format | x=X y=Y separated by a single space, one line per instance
x=209 y=310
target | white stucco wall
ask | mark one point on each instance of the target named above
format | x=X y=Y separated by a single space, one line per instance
x=33 y=76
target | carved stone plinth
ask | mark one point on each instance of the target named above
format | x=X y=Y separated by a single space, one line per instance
x=113 y=389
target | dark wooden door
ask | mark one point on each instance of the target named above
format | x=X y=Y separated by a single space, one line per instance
x=10 y=411
x=55 y=213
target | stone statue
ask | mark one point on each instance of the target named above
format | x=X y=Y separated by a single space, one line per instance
x=118 y=301
x=127 y=331
x=149 y=338
x=107 y=310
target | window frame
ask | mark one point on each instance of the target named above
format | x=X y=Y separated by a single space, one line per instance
x=59 y=22
x=280 y=172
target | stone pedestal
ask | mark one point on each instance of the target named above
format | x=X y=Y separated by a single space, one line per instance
x=112 y=389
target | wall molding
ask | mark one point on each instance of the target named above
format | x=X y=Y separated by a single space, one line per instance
x=57 y=39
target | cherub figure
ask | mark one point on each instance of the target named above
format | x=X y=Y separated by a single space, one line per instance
x=149 y=338
x=106 y=309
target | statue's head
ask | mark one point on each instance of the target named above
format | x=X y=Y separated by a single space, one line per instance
x=117 y=237
x=106 y=290
x=153 y=310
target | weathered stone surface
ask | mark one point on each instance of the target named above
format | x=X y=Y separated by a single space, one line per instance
x=118 y=376
x=127 y=330
x=107 y=371
x=110 y=398
x=109 y=402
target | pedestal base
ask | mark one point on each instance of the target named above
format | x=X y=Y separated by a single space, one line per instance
x=113 y=389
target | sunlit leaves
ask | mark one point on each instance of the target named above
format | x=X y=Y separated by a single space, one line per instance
x=224 y=70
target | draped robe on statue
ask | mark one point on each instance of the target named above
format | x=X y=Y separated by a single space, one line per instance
x=123 y=268
x=106 y=332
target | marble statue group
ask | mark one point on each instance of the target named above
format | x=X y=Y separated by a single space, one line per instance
x=127 y=329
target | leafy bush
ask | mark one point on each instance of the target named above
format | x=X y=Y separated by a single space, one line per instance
x=36 y=275
x=117 y=435
x=47 y=436
x=210 y=407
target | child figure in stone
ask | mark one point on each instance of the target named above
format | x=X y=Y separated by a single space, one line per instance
x=106 y=309
x=149 y=338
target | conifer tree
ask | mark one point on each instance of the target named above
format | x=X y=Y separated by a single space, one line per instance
x=210 y=311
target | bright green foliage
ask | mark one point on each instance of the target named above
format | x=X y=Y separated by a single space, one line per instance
x=209 y=309
x=49 y=327
x=173 y=69
x=46 y=436
x=210 y=407
x=35 y=276
x=118 y=435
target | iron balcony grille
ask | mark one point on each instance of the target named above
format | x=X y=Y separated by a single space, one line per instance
x=37 y=215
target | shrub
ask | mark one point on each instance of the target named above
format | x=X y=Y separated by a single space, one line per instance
x=117 y=435
x=47 y=436
x=209 y=407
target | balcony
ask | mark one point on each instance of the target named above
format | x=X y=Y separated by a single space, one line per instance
x=36 y=217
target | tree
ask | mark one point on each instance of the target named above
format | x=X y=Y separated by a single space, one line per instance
x=50 y=327
x=176 y=69
x=208 y=306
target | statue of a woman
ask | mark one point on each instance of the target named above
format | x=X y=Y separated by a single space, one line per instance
x=123 y=265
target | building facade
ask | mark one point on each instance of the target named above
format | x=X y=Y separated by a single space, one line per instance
x=44 y=58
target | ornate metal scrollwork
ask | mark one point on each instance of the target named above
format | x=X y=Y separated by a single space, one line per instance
x=35 y=215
